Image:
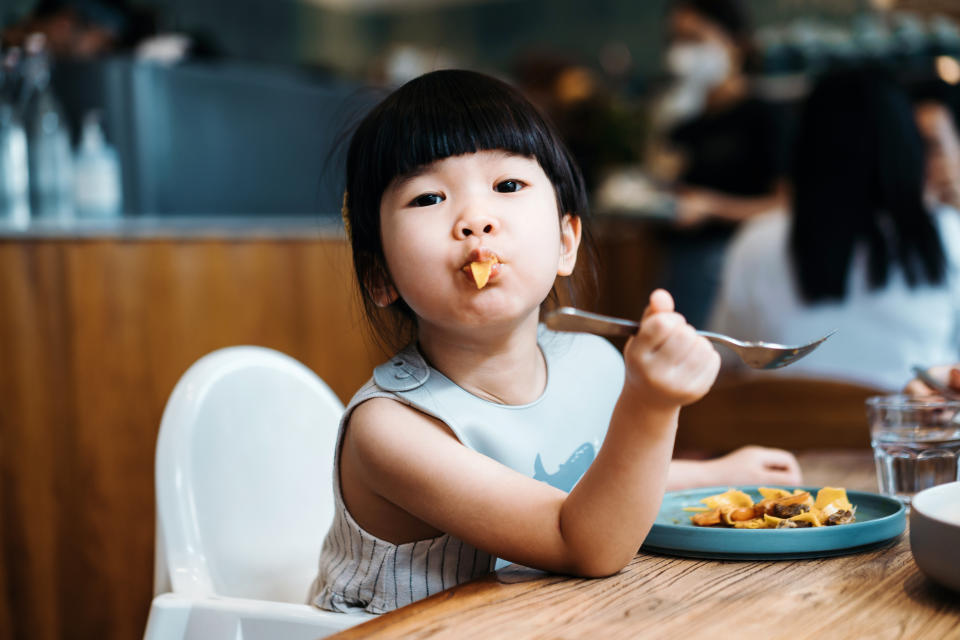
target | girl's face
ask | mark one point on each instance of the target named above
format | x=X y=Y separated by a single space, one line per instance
x=475 y=207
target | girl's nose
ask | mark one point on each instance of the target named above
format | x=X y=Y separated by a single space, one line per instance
x=470 y=225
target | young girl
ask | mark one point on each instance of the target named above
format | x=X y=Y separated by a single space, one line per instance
x=487 y=436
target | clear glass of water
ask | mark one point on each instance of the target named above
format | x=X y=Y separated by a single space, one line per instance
x=916 y=442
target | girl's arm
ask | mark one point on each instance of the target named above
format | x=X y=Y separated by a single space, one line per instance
x=413 y=462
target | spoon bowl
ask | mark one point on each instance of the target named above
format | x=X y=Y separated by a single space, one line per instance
x=759 y=355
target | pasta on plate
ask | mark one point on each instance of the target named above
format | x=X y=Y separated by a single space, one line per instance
x=778 y=509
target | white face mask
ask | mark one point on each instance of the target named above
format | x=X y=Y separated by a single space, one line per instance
x=705 y=64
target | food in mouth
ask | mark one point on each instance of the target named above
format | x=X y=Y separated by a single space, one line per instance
x=480 y=270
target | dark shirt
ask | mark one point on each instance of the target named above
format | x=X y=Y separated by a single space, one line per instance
x=740 y=150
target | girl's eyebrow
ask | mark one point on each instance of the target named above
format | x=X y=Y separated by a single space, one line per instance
x=400 y=180
x=416 y=172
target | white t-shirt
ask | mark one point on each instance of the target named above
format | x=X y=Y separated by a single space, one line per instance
x=881 y=333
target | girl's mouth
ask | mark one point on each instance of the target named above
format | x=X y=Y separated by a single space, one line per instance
x=482 y=264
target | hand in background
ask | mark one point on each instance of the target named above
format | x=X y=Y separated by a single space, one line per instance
x=694 y=206
x=950 y=374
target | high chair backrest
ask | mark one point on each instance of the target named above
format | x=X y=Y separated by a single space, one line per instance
x=243 y=476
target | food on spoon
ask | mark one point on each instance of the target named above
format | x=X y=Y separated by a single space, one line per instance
x=778 y=509
x=480 y=270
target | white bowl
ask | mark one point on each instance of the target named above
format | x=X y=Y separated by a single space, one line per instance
x=935 y=533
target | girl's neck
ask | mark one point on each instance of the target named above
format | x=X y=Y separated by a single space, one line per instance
x=504 y=366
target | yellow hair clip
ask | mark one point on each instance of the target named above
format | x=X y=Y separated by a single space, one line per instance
x=345 y=214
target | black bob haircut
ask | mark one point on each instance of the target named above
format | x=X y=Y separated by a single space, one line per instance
x=858 y=179
x=435 y=116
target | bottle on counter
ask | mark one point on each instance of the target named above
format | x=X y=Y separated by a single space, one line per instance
x=48 y=137
x=96 y=173
x=14 y=172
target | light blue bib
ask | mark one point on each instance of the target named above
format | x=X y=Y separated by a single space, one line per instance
x=553 y=439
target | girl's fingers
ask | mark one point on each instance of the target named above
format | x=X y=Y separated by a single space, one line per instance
x=658 y=328
x=678 y=345
x=660 y=302
x=779 y=457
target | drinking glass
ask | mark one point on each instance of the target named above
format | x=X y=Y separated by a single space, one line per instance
x=916 y=442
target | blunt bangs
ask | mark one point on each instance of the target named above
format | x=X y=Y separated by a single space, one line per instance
x=451 y=113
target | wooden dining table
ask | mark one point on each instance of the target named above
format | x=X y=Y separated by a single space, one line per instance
x=879 y=593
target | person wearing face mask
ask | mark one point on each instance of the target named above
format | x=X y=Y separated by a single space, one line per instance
x=723 y=148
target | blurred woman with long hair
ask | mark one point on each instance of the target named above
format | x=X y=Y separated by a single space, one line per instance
x=860 y=252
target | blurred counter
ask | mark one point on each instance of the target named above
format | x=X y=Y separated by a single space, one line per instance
x=156 y=227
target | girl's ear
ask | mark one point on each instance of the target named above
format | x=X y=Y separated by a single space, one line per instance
x=382 y=291
x=569 y=243
x=384 y=295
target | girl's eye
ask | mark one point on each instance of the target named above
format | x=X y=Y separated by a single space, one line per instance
x=427 y=200
x=509 y=186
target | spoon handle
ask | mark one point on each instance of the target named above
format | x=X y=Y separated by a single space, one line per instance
x=570 y=319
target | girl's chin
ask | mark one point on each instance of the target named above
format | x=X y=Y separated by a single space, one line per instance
x=486 y=315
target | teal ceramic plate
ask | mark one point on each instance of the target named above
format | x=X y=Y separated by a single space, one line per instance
x=879 y=520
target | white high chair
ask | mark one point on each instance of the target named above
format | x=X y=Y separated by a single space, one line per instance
x=243 y=470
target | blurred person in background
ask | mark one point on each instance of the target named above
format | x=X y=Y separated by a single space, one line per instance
x=723 y=147
x=935 y=105
x=861 y=251
x=83 y=28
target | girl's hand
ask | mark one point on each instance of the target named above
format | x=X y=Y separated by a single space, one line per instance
x=667 y=363
x=752 y=465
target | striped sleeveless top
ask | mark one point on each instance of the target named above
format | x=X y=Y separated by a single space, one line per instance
x=553 y=439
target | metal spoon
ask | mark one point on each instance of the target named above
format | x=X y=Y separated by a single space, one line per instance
x=759 y=355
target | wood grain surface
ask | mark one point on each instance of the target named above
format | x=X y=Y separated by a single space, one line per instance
x=875 y=594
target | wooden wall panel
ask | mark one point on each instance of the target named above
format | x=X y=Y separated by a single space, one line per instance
x=776 y=409
x=93 y=336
